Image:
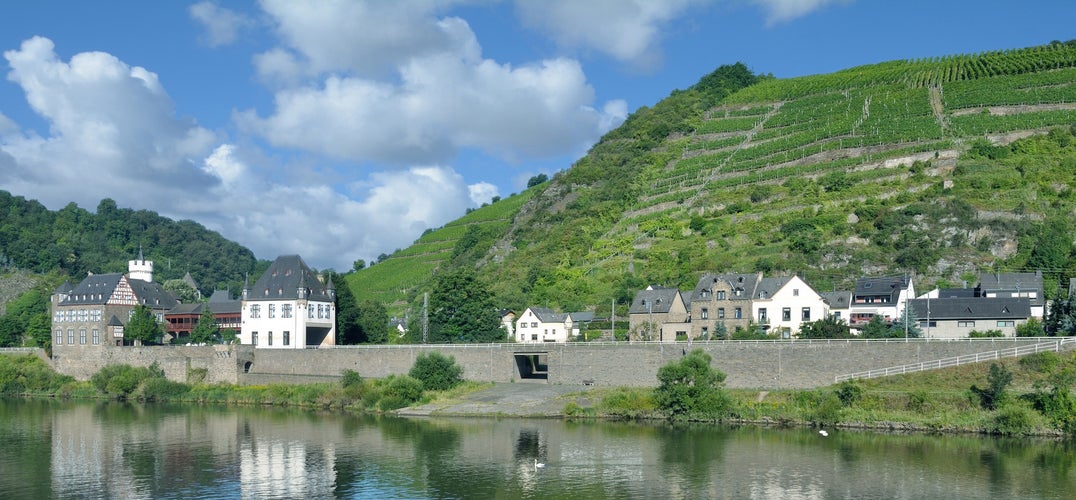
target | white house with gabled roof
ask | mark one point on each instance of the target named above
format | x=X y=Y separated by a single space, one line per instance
x=783 y=304
x=289 y=307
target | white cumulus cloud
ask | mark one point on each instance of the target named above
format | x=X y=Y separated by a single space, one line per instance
x=416 y=93
x=222 y=26
x=779 y=11
x=627 y=30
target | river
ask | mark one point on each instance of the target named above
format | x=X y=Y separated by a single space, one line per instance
x=51 y=449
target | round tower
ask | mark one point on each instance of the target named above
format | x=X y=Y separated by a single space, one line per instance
x=140 y=269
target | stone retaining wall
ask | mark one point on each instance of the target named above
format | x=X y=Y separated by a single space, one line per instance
x=761 y=365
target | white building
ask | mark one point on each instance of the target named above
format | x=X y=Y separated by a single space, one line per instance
x=540 y=324
x=784 y=304
x=289 y=308
x=883 y=297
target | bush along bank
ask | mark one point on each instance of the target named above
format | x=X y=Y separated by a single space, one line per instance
x=432 y=376
x=1029 y=396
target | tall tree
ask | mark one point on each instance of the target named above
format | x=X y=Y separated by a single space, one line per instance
x=462 y=309
x=348 y=330
x=206 y=330
x=143 y=326
x=373 y=322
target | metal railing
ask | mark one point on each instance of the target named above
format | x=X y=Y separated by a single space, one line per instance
x=1055 y=346
x=699 y=342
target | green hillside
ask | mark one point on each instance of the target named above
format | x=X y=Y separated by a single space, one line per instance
x=940 y=167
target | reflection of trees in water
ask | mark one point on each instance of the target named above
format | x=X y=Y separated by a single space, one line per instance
x=690 y=451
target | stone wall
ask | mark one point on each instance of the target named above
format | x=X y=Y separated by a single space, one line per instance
x=223 y=363
x=761 y=365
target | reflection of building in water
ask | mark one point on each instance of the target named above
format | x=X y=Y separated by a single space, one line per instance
x=124 y=451
x=283 y=468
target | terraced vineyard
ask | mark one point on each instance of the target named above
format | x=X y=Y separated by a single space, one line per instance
x=893 y=167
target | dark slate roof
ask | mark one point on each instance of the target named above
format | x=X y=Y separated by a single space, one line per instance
x=221 y=296
x=547 y=315
x=152 y=295
x=66 y=287
x=887 y=285
x=1013 y=282
x=582 y=316
x=746 y=283
x=950 y=293
x=284 y=278
x=96 y=289
x=194 y=308
x=654 y=299
x=838 y=300
x=972 y=308
x=114 y=321
x=769 y=286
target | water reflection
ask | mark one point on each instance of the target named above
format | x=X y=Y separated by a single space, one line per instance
x=156 y=451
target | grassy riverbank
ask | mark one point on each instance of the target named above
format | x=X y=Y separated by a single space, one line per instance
x=1036 y=401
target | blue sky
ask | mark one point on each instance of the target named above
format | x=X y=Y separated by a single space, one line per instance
x=342 y=130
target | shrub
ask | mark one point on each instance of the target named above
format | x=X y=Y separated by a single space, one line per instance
x=436 y=371
x=118 y=381
x=849 y=392
x=691 y=388
x=999 y=378
x=162 y=389
x=400 y=391
x=1013 y=420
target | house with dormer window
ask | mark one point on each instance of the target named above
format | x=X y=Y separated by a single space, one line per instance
x=288 y=307
x=722 y=298
x=1026 y=285
x=957 y=317
x=92 y=314
x=884 y=297
x=658 y=313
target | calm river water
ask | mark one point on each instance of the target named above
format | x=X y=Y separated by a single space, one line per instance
x=111 y=450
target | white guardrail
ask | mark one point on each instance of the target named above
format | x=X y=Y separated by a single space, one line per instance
x=1011 y=352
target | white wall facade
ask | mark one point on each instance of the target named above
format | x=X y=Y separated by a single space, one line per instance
x=531 y=329
x=797 y=299
x=268 y=324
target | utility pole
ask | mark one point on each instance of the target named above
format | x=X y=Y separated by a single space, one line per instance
x=612 y=317
x=425 y=318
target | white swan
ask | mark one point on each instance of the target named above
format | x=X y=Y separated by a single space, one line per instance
x=823 y=433
x=537 y=464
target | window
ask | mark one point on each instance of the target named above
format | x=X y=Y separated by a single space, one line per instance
x=705 y=313
x=706 y=332
x=762 y=315
x=1003 y=324
x=738 y=313
x=285 y=311
x=309 y=311
x=59 y=336
x=720 y=295
x=965 y=324
x=705 y=294
x=786 y=314
x=534 y=324
x=534 y=336
x=720 y=313
x=96 y=336
x=806 y=314
x=70 y=335
x=272 y=310
x=795 y=292
x=837 y=314
x=82 y=336
x=270 y=338
x=253 y=338
x=255 y=311
x=928 y=324
x=287 y=337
